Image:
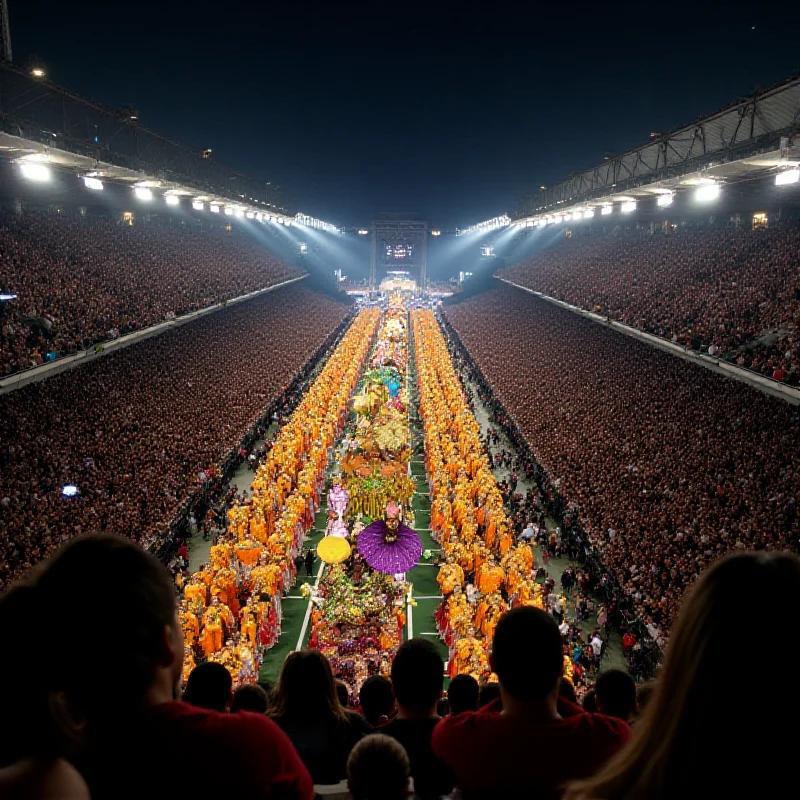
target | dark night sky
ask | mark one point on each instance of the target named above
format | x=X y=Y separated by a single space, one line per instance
x=452 y=112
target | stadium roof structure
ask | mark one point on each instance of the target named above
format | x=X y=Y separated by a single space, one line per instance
x=750 y=138
x=43 y=122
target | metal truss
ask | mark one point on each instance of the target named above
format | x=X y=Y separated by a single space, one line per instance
x=41 y=112
x=747 y=127
x=409 y=230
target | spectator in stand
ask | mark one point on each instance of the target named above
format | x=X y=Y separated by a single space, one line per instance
x=377 y=768
x=112 y=699
x=306 y=707
x=83 y=280
x=539 y=741
x=615 y=694
x=490 y=693
x=376 y=699
x=134 y=435
x=689 y=742
x=250 y=697
x=463 y=694
x=210 y=686
x=681 y=476
x=417 y=681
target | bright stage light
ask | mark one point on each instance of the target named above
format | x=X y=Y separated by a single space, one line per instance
x=214 y=209
x=228 y=211
x=707 y=193
x=95 y=184
x=665 y=200
x=436 y=233
x=239 y=213
x=37 y=72
x=362 y=232
x=172 y=199
x=70 y=490
x=557 y=218
x=588 y=214
x=143 y=193
x=35 y=172
x=197 y=205
x=260 y=217
x=627 y=208
x=250 y=215
x=787 y=176
x=606 y=210
x=567 y=217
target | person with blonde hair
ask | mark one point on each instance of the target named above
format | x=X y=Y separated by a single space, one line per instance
x=712 y=729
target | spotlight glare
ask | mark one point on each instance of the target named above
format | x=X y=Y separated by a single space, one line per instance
x=588 y=214
x=250 y=215
x=95 y=184
x=606 y=210
x=35 y=172
x=627 y=208
x=239 y=213
x=260 y=217
x=362 y=232
x=197 y=205
x=436 y=233
x=665 y=200
x=214 y=209
x=172 y=199
x=707 y=193
x=228 y=211
x=787 y=176
x=143 y=193
x=557 y=218
x=69 y=490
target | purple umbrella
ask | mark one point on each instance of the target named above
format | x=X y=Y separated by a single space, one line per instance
x=390 y=558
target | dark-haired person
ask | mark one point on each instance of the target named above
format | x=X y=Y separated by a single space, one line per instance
x=376 y=699
x=463 y=694
x=615 y=694
x=417 y=681
x=539 y=742
x=209 y=686
x=250 y=697
x=113 y=699
x=692 y=740
x=306 y=707
x=378 y=769
x=490 y=692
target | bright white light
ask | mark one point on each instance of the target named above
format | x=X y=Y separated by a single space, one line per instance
x=567 y=217
x=665 y=200
x=143 y=193
x=436 y=233
x=214 y=209
x=705 y=194
x=70 y=490
x=239 y=213
x=287 y=222
x=557 y=218
x=95 y=184
x=787 y=176
x=35 y=172
x=627 y=208
x=362 y=232
x=172 y=199
x=260 y=217
x=37 y=72
x=250 y=215
x=197 y=205
x=303 y=247
x=6 y=297
x=606 y=210
x=588 y=214
x=228 y=211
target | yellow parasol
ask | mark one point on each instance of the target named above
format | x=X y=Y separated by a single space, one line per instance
x=333 y=549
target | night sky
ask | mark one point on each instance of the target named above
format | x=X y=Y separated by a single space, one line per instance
x=450 y=112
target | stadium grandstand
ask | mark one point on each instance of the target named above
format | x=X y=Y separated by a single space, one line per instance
x=303 y=509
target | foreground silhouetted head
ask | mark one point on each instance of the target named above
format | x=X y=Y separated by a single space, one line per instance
x=378 y=769
x=417 y=675
x=306 y=688
x=209 y=686
x=462 y=694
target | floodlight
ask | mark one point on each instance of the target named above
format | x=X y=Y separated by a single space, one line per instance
x=707 y=193
x=143 y=193
x=436 y=233
x=239 y=213
x=70 y=490
x=35 y=172
x=260 y=217
x=787 y=176
x=557 y=218
x=567 y=217
x=287 y=222
x=37 y=72
x=228 y=211
x=303 y=247
x=95 y=184
x=627 y=208
x=197 y=205
x=4 y=298
x=606 y=210
x=588 y=214
x=172 y=199
x=665 y=200
x=250 y=215
x=362 y=232
x=214 y=209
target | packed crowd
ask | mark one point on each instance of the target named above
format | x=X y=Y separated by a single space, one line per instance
x=667 y=465
x=136 y=431
x=521 y=736
x=83 y=280
x=715 y=291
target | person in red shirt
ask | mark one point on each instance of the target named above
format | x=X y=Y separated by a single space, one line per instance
x=108 y=608
x=538 y=742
